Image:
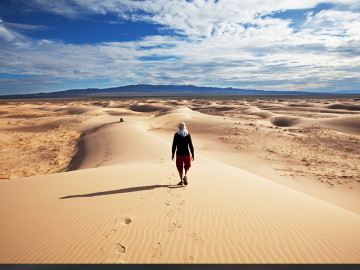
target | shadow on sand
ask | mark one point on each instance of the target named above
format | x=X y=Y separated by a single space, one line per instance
x=118 y=191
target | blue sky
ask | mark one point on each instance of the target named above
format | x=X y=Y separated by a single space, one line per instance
x=53 y=45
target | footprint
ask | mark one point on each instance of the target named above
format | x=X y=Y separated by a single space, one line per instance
x=141 y=204
x=157 y=255
x=107 y=234
x=179 y=224
x=172 y=227
x=125 y=221
x=119 y=248
x=175 y=225
x=156 y=248
x=180 y=210
x=188 y=259
x=106 y=247
x=167 y=203
x=151 y=193
x=170 y=213
x=197 y=238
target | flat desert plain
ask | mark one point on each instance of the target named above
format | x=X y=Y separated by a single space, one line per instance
x=273 y=181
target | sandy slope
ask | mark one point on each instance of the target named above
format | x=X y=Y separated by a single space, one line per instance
x=117 y=143
x=206 y=131
x=128 y=209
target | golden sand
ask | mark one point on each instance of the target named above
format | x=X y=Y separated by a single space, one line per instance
x=273 y=181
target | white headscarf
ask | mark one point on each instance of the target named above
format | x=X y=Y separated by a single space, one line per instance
x=183 y=132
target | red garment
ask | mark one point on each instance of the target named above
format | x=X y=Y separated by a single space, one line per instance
x=180 y=160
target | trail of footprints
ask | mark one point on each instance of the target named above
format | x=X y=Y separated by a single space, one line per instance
x=115 y=252
x=179 y=208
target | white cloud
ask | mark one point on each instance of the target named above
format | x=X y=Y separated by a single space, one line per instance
x=196 y=18
x=221 y=46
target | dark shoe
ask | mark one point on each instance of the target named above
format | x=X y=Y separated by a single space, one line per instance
x=180 y=183
x=185 y=180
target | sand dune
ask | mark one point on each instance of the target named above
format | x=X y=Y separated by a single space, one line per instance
x=119 y=203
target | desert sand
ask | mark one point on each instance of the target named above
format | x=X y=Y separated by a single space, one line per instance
x=273 y=181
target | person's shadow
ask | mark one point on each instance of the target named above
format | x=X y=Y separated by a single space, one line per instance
x=118 y=191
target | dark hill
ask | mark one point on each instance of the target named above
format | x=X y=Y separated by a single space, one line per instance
x=143 y=90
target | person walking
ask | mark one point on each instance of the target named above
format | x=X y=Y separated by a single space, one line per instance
x=182 y=143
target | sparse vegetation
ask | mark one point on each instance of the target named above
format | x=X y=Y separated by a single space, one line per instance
x=36 y=153
x=327 y=155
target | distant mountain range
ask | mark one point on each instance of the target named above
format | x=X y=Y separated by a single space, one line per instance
x=143 y=90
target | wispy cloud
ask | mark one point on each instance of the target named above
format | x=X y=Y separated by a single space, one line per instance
x=8 y=34
x=22 y=27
